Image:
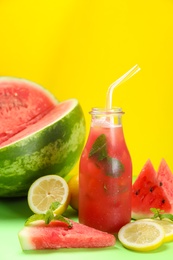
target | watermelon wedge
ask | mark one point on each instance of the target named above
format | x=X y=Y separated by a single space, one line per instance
x=38 y=135
x=57 y=235
x=165 y=179
x=147 y=192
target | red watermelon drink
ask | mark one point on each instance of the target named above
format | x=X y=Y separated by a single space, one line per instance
x=105 y=170
x=105 y=174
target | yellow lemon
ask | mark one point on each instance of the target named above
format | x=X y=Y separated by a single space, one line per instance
x=48 y=189
x=74 y=191
x=167 y=225
x=141 y=235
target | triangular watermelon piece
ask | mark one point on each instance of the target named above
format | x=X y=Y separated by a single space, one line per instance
x=165 y=178
x=57 y=235
x=147 y=193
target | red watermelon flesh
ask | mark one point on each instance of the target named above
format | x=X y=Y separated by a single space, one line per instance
x=57 y=235
x=165 y=179
x=147 y=193
x=22 y=103
x=53 y=115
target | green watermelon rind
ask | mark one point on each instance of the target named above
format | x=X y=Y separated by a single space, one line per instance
x=52 y=150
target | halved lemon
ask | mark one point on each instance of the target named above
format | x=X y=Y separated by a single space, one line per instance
x=48 y=189
x=141 y=235
x=167 y=225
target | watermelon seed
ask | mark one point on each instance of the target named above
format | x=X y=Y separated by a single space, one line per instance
x=163 y=201
x=160 y=183
x=151 y=189
x=137 y=192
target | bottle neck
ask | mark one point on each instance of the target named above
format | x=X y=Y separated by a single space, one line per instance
x=106 y=118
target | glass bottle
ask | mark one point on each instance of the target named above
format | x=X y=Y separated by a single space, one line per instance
x=105 y=173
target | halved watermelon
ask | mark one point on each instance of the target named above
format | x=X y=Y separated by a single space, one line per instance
x=38 y=135
x=148 y=193
x=57 y=235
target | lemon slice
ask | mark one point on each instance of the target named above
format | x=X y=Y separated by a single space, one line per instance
x=48 y=189
x=167 y=225
x=168 y=228
x=141 y=235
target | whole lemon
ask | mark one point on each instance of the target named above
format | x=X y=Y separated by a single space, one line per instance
x=74 y=191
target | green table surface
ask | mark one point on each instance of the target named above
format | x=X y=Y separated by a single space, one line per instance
x=14 y=212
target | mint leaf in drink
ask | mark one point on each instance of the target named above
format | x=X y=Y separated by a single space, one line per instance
x=115 y=168
x=99 y=148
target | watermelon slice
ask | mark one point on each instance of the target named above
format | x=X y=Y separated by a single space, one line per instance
x=148 y=193
x=38 y=135
x=165 y=179
x=57 y=235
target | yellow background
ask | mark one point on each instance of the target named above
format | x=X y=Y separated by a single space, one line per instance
x=78 y=48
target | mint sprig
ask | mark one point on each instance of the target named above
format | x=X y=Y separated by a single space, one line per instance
x=158 y=213
x=48 y=216
x=113 y=166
